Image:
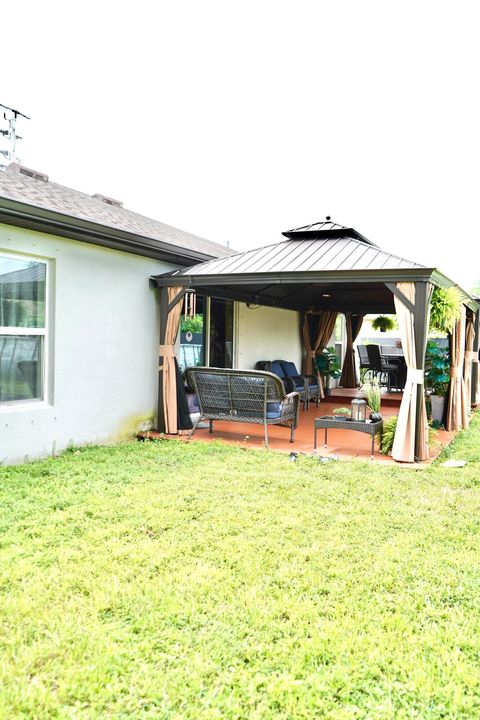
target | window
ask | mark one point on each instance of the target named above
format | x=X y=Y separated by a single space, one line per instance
x=22 y=328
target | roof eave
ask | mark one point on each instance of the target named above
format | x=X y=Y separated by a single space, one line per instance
x=13 y=212
x=393 y=275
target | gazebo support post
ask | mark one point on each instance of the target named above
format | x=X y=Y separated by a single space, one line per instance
x=420 y=323
x=163 y=329
x=475 y=369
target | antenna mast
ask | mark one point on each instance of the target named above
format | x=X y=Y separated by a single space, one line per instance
x=11 y=116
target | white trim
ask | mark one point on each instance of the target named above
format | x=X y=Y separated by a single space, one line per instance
x=22 y=331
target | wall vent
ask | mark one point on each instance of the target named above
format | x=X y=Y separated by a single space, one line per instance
x=108 y=200
x=22 y=170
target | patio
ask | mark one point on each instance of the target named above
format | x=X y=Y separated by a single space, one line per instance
x=342 y=443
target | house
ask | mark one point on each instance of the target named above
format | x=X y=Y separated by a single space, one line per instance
x=78 y=321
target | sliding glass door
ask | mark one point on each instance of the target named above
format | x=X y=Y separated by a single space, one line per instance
x=207 y=337
x=221 y=333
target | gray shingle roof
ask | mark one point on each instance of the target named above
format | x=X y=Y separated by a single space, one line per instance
x=18 y=186
x=312 y=255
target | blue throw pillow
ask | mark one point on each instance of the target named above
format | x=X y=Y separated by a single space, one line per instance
x=289 y=369
x=277 y=369
x=273 y=410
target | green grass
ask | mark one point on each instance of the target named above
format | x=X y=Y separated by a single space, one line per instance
x=164 y=580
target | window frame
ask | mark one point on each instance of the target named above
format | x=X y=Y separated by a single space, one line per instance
x=36 y=332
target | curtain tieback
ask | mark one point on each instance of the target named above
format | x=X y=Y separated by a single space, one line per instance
x=471 y=355
x=455 y=372
x=166 y=351
x=414 y=376
x=312 y=354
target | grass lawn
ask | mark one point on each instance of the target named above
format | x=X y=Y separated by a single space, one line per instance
x=164 y=580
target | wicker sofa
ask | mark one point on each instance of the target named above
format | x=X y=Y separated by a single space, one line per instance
x=249 y=396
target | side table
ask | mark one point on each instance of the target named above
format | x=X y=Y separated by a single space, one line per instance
x=326 y=422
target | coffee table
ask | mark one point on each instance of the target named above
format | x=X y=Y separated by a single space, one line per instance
x=327 y=422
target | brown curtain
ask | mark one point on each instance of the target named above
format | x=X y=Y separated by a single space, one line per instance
x=353 y=324
x=404 y=442
x=317 y=331
x=457 y=415
x=167 y=351
x=469 y=355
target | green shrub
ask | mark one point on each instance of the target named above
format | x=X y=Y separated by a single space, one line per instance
x=387 y=436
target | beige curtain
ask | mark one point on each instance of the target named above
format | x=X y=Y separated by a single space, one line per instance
x=353 y=324
x=469 y=356
x=477 y=392
x=404 y=442
x=167 y=352
x=457 y=415
x=316 y=332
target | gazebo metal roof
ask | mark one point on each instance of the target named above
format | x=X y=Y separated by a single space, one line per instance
x=323 y=266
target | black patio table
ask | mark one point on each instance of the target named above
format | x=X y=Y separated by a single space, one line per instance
x=326 y=422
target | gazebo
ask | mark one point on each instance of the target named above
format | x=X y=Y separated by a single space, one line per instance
x=321 y=270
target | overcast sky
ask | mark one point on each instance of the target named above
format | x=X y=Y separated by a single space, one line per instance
x=237 y=120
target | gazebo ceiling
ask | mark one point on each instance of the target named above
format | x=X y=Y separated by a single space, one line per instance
x=320 y=266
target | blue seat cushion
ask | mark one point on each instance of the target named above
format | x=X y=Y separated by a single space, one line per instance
x=277 y=369
x=289 y=369
x=273 y=410
x=299 y=388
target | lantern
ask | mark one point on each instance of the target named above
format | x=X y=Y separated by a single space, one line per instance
x=359 y=410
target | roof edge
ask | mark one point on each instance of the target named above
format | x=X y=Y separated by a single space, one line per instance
x=32 y=217
x=183 y=278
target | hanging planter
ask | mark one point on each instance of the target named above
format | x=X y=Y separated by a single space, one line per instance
x=445 y=309
x=383 y=323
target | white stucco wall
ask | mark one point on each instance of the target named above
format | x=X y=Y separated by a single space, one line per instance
x=104 y=342
x=265 y=333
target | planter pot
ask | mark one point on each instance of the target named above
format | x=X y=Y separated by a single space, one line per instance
x=438 y=407
x=375 y=417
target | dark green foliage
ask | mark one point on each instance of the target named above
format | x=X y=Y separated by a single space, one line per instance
x=437 y=369
x=327 y=363
x=388 y=435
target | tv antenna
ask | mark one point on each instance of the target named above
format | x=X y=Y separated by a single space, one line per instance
x=11 y=116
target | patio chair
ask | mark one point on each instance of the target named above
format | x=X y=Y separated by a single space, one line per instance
x=365 y=365
x=311 y=387
x=385 y=371
x=305 y=385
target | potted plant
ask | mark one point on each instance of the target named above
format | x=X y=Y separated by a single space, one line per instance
x=343 y=412
x=374 y=398
x=437 y=378
x=329 y=367
x=383 y=323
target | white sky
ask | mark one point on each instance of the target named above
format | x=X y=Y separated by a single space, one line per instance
x=236 y=120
